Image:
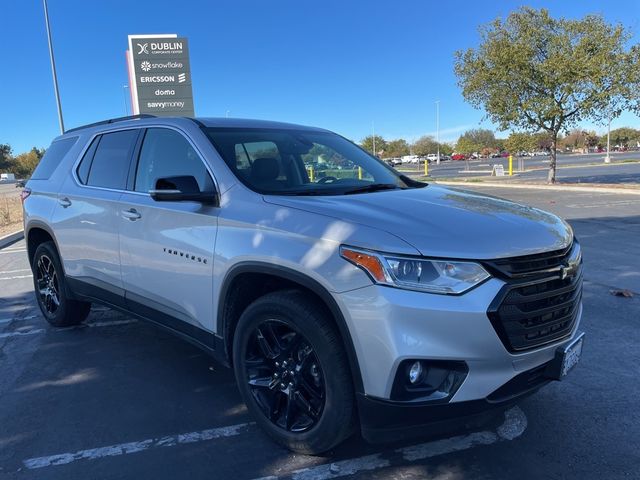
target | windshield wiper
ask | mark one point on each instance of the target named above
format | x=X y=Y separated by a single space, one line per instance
x=374 y=187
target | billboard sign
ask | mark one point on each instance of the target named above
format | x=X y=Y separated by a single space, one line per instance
x=160 y=75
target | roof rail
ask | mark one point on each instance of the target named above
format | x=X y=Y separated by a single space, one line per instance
x=111 y=120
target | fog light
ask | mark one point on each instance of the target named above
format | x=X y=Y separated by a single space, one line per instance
x=415 y=372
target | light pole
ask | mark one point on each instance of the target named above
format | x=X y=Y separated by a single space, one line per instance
x=438 y=131
x=124 y=98
x=607 y=159
x=53 y=66
x=373 y=130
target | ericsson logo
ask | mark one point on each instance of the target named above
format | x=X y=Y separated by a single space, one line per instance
x=182 y=77
x=146 y=66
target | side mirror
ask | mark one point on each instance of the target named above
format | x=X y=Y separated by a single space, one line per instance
x=181 y=189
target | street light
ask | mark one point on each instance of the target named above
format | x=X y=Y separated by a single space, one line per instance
x=124 y=98
x=438 y=131
x=607 y=159
x=53 y=66
x=373 y=130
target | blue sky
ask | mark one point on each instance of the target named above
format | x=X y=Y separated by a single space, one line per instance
x=341 y=65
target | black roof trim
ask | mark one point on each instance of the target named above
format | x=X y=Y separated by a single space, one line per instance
x=112 y=120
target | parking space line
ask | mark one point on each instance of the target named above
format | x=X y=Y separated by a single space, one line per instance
x=15 y=271
x=135 y=447
x=7 y=320
x=514 y=425
x=16 y=277
x=21 y=334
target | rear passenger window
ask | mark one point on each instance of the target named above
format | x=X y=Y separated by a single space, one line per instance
x=166 y=153
x=110 y=164
x=52 y=158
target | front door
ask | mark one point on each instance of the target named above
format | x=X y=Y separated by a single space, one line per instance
x=166 y=248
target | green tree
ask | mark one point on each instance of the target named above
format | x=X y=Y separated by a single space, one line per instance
x=554 y=72
x=574 y=140
x=396 y=148
x=368 y=143
x=476 y=140
x=544 y=140
x=446 y=149
x=25 y=163
x=424 y=146
x=520 y=142
x=622 y=137
x=6 y=156
x=592 y=139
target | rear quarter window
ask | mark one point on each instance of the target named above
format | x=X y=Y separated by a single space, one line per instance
x=52 y=158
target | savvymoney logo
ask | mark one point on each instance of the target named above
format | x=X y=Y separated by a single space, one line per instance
x=144 y=48
x=146 y=66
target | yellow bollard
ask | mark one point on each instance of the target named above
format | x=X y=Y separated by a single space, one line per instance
x=510 y=165
x=311 y=174
x=359 y=173
x=426 y=167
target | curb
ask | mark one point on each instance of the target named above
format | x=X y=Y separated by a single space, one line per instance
x=558 y=187
x=11 y=238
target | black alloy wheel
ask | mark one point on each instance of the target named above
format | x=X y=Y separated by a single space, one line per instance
x=52 y=293
x=285 y=376
x=48 y=285
x=293 y=372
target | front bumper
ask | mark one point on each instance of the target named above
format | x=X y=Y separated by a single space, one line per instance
x=388 y=421
x=389 y=325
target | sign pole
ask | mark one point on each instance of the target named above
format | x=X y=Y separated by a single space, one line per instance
x=53 y=67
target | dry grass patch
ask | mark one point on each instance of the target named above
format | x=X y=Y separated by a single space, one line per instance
x=10 y=214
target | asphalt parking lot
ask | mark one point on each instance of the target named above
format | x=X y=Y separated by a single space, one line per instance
x=118 y=398
x=623 y=169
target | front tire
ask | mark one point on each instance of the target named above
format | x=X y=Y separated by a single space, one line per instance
x=51 y=292
x=293 y=373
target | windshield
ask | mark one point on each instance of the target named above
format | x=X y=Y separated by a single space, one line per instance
x=299 y=162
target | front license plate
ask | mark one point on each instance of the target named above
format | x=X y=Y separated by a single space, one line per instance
x=566 y=358
x=571 y=356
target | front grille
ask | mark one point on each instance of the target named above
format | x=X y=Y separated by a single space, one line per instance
x=531 y=264
x=541 y=306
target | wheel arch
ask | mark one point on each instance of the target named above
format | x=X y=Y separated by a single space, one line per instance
x=36 y=233
x=280 y=277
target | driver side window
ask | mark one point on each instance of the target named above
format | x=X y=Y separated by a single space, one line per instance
x=166 y=153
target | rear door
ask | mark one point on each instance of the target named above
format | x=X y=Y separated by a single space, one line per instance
x=166 y=248
x=86 y=217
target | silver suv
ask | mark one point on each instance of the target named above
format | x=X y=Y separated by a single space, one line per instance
x=344 y=295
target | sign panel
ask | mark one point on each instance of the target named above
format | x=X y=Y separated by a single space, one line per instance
x=160 y=75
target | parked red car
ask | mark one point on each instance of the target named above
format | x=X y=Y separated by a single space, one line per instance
x=458 y=156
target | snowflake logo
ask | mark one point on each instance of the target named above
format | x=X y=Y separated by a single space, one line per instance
x=146 y=66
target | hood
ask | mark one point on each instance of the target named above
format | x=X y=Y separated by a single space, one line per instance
x=443 y=222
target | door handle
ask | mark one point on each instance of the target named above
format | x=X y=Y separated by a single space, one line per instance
x=65 y=202
x=132 y=214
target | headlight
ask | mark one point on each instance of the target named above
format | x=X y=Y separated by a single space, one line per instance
x=433 y=276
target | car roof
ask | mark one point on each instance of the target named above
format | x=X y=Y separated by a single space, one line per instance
x=151 y=120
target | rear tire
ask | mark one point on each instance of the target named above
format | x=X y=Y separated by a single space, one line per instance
x=293 y=372
x=51 y=289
